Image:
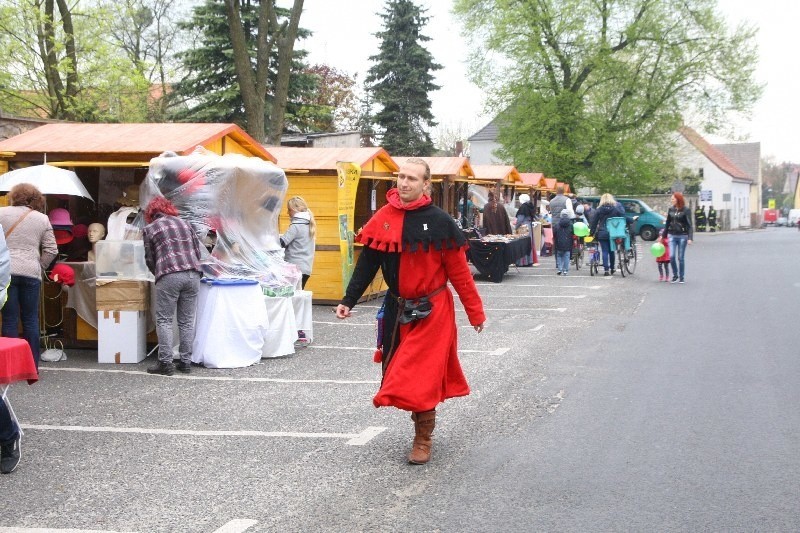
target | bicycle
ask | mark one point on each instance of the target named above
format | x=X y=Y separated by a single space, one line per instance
x=577 y=252
x=593 y=253
x=620 y=236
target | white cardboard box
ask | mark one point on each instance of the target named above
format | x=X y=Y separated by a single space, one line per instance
x=121 y=336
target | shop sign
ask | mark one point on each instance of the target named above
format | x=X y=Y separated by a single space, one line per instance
x=348 y=174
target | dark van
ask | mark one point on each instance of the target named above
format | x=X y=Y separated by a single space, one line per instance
x=649 y=222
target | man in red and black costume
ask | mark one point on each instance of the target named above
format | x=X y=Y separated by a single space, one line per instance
x=419 y=248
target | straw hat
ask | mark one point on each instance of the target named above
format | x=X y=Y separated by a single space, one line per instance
x=130 y=197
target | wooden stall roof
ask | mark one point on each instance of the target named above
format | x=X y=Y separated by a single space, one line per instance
x=457 y=167
x=82 y=141
x=501 y=173
x=551 y=183
x=326 y=158
x=534 y=179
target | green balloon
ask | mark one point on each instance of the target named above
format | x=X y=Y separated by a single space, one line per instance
x=580 y=229
x=657 y=249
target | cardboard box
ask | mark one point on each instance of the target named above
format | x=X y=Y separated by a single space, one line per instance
x=121 y=336
x=123 y=296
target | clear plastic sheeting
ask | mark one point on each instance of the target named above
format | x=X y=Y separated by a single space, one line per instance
x=123 y=260
x=233 y=202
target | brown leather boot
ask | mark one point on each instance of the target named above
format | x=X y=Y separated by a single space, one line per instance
x=423 y=429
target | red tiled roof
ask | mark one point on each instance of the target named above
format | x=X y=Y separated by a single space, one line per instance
x=181 y=138
x=713 y=154
x=326 y=158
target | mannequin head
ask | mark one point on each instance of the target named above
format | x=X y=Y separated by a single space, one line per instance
x=96 y=232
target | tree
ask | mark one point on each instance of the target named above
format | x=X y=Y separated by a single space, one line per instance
x=592 y=91
x=146 y=33
x=212 y=91
x=58 y=64
x=401 y=79
x=252 y=71
x=330 y=105
x=448 y=136
x=365 y=120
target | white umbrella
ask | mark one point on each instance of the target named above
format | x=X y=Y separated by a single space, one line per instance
x=47 y=178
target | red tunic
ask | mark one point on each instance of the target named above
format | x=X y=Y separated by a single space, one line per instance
x=423 y=369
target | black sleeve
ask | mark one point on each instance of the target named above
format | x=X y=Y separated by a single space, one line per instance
x=667 y=222
x=366 y=267
x=689 y=229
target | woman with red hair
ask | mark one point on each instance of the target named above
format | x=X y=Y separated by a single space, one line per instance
x=172 y=253
x=679 y=230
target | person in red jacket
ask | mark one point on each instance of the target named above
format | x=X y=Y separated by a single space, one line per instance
x=419 y=248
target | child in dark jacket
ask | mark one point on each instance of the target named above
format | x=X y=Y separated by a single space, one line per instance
x=562 y=242
x=663 y=261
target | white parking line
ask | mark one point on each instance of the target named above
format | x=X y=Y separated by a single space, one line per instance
x=52 y=530
x=214 y=378
x=590 y=287
x=543 y=309
x=347 y=323
x=236 y=526
x=574 y=296
x=353 y=439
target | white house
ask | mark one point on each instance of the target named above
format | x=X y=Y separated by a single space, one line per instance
x=729 y=185
x=483 y=144
x=747 y=156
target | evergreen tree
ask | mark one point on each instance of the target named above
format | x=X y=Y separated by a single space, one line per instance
x=401 y=79
x=209 y=91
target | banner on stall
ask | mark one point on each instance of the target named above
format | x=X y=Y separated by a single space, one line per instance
x=348 y=174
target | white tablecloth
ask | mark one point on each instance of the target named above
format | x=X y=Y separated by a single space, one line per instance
x=282 y=328
x=301 y=301
x=232 y=326
x=286 y=317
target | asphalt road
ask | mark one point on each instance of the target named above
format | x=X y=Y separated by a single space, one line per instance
x=597 y=405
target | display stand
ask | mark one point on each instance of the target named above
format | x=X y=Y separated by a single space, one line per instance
x=282 y=329
x=231 y=325
x=302 y=301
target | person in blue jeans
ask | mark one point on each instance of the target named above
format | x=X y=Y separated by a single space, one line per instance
x=562 y=237
x=679 y=229
x=32 y=247
x=608 y=208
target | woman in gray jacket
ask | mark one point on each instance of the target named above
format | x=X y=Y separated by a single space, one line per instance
x=32 y=247
x=299 y=239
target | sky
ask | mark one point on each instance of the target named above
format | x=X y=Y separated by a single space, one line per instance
x=343 y=38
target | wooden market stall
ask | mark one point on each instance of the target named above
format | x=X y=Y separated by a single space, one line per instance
x=447 y=174
x=312 y=174
x=505 y=178
x=108 y=159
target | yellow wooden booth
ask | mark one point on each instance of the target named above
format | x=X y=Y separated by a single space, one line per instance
x=107 y=158
x=312 y=175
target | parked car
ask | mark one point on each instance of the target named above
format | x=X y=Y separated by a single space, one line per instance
x=794 y=216
x=782 y=221
x=649 y=222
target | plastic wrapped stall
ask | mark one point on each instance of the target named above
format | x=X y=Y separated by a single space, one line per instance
x=233 y=202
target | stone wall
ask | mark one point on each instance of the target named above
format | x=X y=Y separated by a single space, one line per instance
x=11 y=126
